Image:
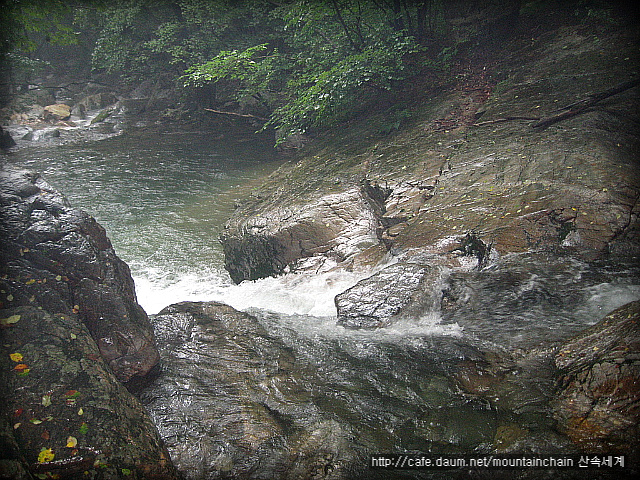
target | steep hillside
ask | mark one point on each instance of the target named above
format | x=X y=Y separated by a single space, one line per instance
x=474 y=159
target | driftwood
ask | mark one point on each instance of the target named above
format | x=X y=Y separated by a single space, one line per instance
x=571 y=110
x=505 y=119
x=245 y=115
x=580 y=106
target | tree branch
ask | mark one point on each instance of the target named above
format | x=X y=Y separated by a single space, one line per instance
x=580 y=106
x=245 y=115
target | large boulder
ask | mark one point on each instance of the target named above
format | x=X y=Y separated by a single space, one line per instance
x=402 y=290
x=331 y=229
x=58 y=111
x=60 y=259
x=598 y=400
x=231 y=396
x=69 y=416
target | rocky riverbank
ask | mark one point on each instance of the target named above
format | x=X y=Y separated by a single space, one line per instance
x=469 y=163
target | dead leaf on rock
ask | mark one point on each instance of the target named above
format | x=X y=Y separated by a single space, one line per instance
x=16 y=357
x=45 y=455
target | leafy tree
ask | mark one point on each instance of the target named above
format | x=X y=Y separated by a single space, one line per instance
x=331 y=59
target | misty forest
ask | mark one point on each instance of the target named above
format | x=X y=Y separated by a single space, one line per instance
x=319 y=239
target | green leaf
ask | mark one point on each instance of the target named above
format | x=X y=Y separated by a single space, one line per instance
x=84 y=428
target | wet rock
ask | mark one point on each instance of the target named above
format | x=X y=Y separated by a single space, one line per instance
x=230 y=397
x=58 y=111
x=598 y=400
x=94 y=102
x=59 y=258
x=399 y=291
x=6 y=140
x=334 y=227
x=41 y=134
x=572 y=187
x=70 y=417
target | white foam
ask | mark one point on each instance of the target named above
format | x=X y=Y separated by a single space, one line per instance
x=291 y=294
x=304 y=302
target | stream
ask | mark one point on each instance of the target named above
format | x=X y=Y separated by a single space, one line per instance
x=459 y=380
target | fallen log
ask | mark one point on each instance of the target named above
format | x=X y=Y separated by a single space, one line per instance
x=581 y=106
x=501 y=120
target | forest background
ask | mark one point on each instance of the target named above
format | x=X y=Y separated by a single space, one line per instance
x=297 y=66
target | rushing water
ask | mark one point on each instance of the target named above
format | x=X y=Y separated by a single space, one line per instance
x=163 y=199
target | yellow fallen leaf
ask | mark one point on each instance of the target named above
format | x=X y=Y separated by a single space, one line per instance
x=16 y=357
x=45 y=455
x=12 y=319
x=16 y=425
x=46 y=400
x=72 y=442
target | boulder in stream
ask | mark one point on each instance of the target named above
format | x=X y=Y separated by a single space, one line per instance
x=598 y=401
x=232 y=401
x=332 y=228
x=400 y=290
x=58 y=111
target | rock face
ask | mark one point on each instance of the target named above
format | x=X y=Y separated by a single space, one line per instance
x=69 y=415
x=570 y=187
x=59 y=258
x=400 y=290
x=240 y=398
x=598 y=403
x=221 y=399
x=71 y=332
x=333 y=228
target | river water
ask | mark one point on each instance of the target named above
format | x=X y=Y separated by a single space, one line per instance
x=163 y=198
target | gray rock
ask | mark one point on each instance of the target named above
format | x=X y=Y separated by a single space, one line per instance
x=399 y=291
x=230 y=397
x=41 y=134
x=60 y=259
x=335 y=226
x=598 y=402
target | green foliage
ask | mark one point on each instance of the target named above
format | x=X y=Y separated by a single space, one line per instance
x=310 y=63
x=393 y=121
x=226 y=65
x=323 y=98
x=331 y=59
x=24 y=22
